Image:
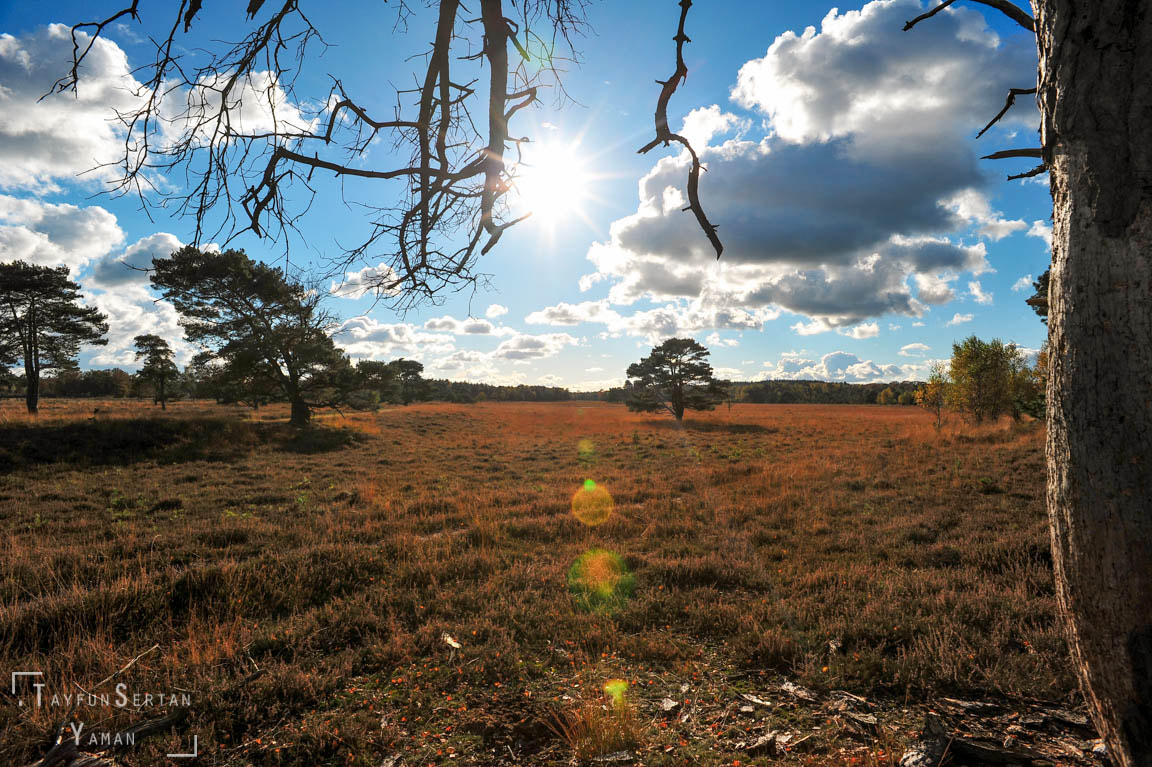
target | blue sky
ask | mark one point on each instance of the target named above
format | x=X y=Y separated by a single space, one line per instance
x=863 y=235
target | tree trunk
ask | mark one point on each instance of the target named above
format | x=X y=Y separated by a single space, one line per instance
x=32 y=390
x=301 y=415
x=163 y=404
x=1095 y=93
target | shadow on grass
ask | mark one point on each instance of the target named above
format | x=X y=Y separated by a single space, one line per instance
x=164 y=440
x=714 y=426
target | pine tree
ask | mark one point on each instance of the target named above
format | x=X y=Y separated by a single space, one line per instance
x=43 y=322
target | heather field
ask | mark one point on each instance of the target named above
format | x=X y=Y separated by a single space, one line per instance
x=443 y=584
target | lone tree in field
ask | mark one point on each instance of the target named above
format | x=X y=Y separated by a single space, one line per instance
x=675 y=377
x=43 y=323
x=933 y=393
x=986 y=377
x=260 y=327
x=158 y=368
x=407 y=374
x=1093 y=90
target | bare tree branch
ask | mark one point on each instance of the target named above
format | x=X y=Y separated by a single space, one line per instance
x=664 y=134
x=1012 y=94
x=1010 y=10
x=1041 y=168
x=1007 y=154
x=227 y=141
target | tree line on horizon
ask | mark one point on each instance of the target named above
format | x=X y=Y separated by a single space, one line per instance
x=265 y=337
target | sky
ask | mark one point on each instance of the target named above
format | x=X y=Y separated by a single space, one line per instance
x=863 y=235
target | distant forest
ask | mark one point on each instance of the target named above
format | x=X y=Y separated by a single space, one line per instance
x=115 y=383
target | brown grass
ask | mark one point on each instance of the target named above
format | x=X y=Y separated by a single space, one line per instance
x=333 y=562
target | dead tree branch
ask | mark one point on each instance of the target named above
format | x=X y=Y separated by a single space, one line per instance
x=226 y=139
x=1008 y=104
x=1012 y=11
x=664 y=134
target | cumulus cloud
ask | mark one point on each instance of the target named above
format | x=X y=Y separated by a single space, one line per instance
x=125 y=268
x=533 y=347
x=838 y=366
x=55 y=234
x=914 y=350
x=468 y=326
x=960 y=319
x=1042 y=230
x=866 y=175
x=979 y=295
x=863 y=330
x=1022 y=284
x=674 y=318
x=132 y=311
x=973 y=206
x=364 y=281
x=574 y=314
x=934 y=289
x=495 y=310
x=368 y=338
x=45 y=142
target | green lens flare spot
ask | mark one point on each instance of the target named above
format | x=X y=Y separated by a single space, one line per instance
x=586 y=449
x=592 y=504
x=600 y=582
x=615 y=689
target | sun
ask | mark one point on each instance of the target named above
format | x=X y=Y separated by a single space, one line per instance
x=554 y=182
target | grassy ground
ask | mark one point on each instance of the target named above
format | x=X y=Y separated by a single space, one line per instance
x=307 y=591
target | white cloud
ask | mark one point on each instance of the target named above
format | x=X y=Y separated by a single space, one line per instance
x=566 y=314
x=368 y=338
x=866 y=175
x=468 y=326
x=46 y=142
x=1023 y=284
x=934 y=289
x=370 y=279
x=914 y=350
x=132 y=310
x=715 y=339
x=703 y=123
x=674 y=318
x=973 y=206
x=533 y=347
x=51 y=234
x=838 y=366
x=960 y=319
x=125 y=268
x=495 y=310
x=1042 y=230
x=863 y=330
x=979 y=295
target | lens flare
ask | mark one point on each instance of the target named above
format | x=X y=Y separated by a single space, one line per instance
x=586 y=449
x=615 y=689
x=600 y=581
x=592 y=504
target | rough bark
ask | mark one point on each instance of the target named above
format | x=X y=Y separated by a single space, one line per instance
x=301 y=414
x=32 y=390
x=1095 y=93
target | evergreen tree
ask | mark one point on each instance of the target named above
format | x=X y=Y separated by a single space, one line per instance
x=158 y=368
x=43 y=322
x=674 y=377
x=266 y=332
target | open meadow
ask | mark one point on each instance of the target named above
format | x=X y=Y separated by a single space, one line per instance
x=455 y=584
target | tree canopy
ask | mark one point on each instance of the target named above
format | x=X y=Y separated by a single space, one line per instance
x=675 y=377
x=263 y=330
x=43 y=322
x=159 y=367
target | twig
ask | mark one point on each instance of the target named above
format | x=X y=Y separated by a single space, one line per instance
x=131 y=663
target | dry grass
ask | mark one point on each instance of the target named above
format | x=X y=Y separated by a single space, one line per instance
x=334 y=561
